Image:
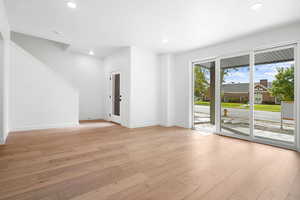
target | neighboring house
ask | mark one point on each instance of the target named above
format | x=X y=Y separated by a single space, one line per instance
x=239 y=93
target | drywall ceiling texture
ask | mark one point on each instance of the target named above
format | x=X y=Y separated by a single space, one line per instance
x=163 y=26
x=84 y=72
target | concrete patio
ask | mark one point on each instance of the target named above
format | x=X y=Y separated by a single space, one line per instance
x=267 y=124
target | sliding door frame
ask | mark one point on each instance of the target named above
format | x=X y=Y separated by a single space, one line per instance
x=252 y=53
x=193 y=88
x=246 y=53
x=252 y=137
x=297 y=94
x=293 y=145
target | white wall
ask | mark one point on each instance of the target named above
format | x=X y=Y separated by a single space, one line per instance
x=140 y=86
x=4 y=64
x=39 y=98
x=84 y=72
x=119 y=62
x=1 y=85
x=145 y=88
x=166 y=63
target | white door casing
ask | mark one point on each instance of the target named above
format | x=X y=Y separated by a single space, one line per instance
x=115 y=97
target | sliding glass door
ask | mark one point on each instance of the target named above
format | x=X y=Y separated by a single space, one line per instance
x=204 y=96
x=257 y=96
x=235 y=95
x=274 y=95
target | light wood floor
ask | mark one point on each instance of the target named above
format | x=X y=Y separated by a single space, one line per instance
x=106 y=161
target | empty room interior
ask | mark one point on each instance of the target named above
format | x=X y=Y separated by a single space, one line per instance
x=149 y=100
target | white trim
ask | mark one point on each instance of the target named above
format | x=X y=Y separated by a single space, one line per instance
x=297 y=95
x=238 y=54
x=144 y=124
x=166 y=70
x=114 y=118
x=191 y=96
x=205 y=60
x=218 y=95
x=251 y=95
x=45 y=126
x=6 y=51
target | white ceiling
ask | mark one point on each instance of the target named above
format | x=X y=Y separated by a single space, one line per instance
x=106 y=25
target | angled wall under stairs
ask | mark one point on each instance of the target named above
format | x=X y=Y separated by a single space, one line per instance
x=39 y=97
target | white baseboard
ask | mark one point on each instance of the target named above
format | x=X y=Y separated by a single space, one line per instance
x=143 y=124
x=46 y=126
x=91 y=118
x=166 y=124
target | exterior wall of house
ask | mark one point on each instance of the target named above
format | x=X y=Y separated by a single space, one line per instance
x=244 y=98
x=267 y=98
x=236 y=97
x=261 y=94
x=264 y=82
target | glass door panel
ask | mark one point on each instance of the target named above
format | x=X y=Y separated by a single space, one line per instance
x=234 y=82
x=115 y=97
x=274 y=95
x=204 y=95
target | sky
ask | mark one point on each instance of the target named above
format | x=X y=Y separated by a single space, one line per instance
x=267 y=71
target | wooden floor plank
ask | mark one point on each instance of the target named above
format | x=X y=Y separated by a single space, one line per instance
x=101 y=160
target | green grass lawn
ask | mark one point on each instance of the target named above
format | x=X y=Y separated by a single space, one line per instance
x=261 y=107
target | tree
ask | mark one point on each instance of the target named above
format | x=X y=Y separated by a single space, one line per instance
x=201 y=83
x=283 y=85
x=224 y=73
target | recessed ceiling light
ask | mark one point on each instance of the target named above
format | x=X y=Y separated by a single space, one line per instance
x=256 y=6
x=164 y=41
x=72 y=4
x=91 y=53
